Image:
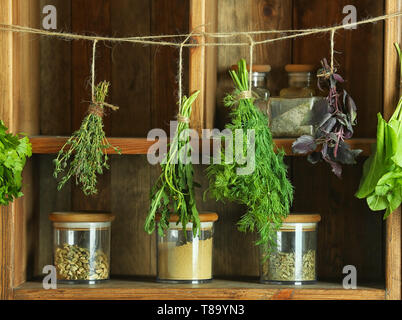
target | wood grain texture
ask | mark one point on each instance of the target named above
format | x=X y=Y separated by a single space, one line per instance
x=6 y=108
x=392 y=86
x=50 y=144
x=347 y=225
x=90 y=16
x=359 y=53
x=168 y=17
x=203 y=62
x=216 y=290
x=134 y=251
x=349 y=233
x=51 y=200
x=247 y=16
x=55 y=75
x=25 y=115
x=131 y=69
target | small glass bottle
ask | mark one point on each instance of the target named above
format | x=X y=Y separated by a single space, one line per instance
x=293 y=261
x=259 y=78
x=81 y=246
x=299 y=82
x=183 y=257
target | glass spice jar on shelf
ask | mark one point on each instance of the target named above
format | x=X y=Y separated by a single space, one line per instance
x=259 y=87
x=81 y=246
x=293 y=261
x=185 y=257
x=292 y=114
x=299 y=81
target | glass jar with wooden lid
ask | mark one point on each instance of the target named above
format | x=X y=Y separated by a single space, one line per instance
x=81 y=246
x=300 y=85
x=293 y=261
x=182 y=256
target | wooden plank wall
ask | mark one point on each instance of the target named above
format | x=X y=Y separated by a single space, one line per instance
x=143 y=85
x=348 y=227
x=19 y=110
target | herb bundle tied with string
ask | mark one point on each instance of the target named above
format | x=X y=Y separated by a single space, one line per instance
x=173 y=192
x=266 y=191
x=84 y=154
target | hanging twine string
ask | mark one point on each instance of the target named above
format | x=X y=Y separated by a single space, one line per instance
x=332 y=51
x=180 y=71
x=158 y=40
x=93 y=70
x=96 y=107
x=251 y=53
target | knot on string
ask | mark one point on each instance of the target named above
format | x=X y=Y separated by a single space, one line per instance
x=96 y=109
x=183 y=119
x=245 y=95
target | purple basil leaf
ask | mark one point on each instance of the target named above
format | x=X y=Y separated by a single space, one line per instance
x=328 y=125
x=351 y=108
x=336 y=168
x=314 y=157
x=345 y=155
x=304 y=144
x=320 y=112
x=338 y=78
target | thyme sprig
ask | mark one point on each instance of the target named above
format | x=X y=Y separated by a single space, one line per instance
x=84 y=154
x=173 y=193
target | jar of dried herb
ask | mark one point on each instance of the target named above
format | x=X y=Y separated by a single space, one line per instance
x=293 y=114
x=185 y=257
x=81 y=246
x=293 y=261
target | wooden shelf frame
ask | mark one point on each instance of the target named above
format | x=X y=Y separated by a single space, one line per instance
x=217 y=289
x=51 y=145
x=19 y=104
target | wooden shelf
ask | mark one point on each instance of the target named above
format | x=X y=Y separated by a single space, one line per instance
x=52 y=144
x=218 y=289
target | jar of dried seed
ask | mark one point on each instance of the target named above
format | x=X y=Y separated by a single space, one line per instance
x=81 y=246
x=293 y=261
x=185 y=257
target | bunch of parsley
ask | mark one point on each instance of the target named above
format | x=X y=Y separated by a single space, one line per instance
x=13 y=153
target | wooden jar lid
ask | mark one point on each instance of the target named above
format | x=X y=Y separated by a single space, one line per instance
x=300 y=68
x=81 y=217
x=256 y=67
x=302 y=218
x=204 y=217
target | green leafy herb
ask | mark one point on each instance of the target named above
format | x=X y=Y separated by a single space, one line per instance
x=381 y=183
x=13 y=153
x=86 y=148
x=173 y=192
x=267 y=191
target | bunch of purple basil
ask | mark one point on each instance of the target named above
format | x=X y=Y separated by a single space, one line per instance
x=334 y=118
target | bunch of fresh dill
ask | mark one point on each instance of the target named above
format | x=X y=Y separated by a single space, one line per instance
x=267 y=191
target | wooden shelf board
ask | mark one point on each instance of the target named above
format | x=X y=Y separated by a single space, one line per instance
x=52 y=144
x=216 y=290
